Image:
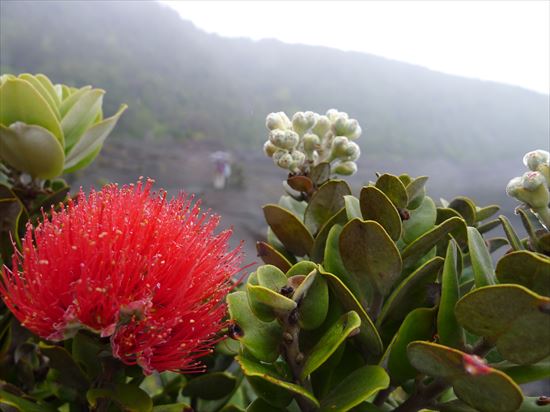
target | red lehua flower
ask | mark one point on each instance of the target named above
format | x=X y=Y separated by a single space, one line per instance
x=128 y=264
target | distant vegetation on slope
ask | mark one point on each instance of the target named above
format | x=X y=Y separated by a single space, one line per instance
x=182 y=82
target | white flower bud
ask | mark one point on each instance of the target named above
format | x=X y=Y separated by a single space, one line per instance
x=356 y=133
x=298 y=159
x=535 y=158
x=353 y=151
x=269 y=148
x=334 y=114
x=290 y=140
x=339 y=146
x=302 y=122
x=311 y=142
x=532 y=180
x=345 y=168
x=514 y=186
x=277 y=138
x=322 y=126
x=277 y=121
x=278 y=154
x=285 y=161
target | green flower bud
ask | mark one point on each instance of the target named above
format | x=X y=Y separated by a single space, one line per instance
x=334 y=114
x=354 y=130
x=514 y=186
x=277 y=121
x=345 y=168
x=311 y=142
x=269 y=148
x=322 y=126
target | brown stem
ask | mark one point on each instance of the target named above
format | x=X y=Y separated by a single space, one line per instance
x=422 y=398
x=382 y=396
x=294 y=357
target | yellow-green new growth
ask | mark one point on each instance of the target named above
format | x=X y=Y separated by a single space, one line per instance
x=46 y=129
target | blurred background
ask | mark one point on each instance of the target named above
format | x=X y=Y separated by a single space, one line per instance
x=458 y=91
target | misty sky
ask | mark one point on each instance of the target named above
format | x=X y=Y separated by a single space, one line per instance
x=504 y=41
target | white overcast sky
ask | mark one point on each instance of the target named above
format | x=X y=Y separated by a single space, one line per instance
x=504 y=41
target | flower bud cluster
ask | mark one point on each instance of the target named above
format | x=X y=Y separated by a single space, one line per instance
x=532 y=187
x=310 y=138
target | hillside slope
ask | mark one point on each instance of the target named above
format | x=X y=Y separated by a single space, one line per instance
x=184 y=83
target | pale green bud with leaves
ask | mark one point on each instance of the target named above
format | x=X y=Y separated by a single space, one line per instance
x=46 y=129
x=539 y=161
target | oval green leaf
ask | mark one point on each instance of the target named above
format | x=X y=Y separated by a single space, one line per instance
x=375 y=205
x=290 y=231
x=326 y=201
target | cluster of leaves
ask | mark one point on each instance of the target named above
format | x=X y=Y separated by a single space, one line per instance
x=388 y=302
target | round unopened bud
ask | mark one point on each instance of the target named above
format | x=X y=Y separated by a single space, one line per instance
x=322 y=126
x=532 y=180
x=341 y=125
x=277 y=137
x=311 y=142
x=353 y=151
x=291 y=139
x=345 y=168
x=298 y=159
x=333 y=114
x=354 y=130
x=535 y=158
x=278 y=154
x=356 y=133
x=339 y=146
x=277 y=121
x=302 y=122
x=270 y=148
x=285 y=161
x=513 y=186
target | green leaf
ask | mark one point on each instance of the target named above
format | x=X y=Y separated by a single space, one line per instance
x=300 y=183
x=525 y=373
x=356 y=388
x=320 y=174
x=353 y=208
x=290 y=231
x=313 y=301
x=525 y=268
x=418 y=325
x=465 y=207
x=334 y=264
x=370 y=255
x=272 y=256
x=420 y=221
x=262 y=339
x=488 y=226
x=173 y=407
x=416 y=191
x=413 y=292
x=91 y=140
x=297 y=207
x=262 y=371
x=486 y=212
x=394 y=189
x=375 y=205
x=31 y=149
x=22 y=404
x=449 y=330
x=484 y=388
x=129 y=397
x=21 y=102
x=329 y=342
x=318 y=251
x=531 y=404
x=40 y=88
x=482 y=263
x=517 y=319
x=81 y=116
x=326 y=201
x=210 y=386
x=304 y=268
x=259 y=405
x=267 y=297
x=513 y=238
x=71 y=374
x=422 y=245
x=50 y=88
x=85 y=351
x=368 y=334
x=271 y=277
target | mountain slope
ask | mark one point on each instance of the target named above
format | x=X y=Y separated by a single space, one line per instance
x=182 y=82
